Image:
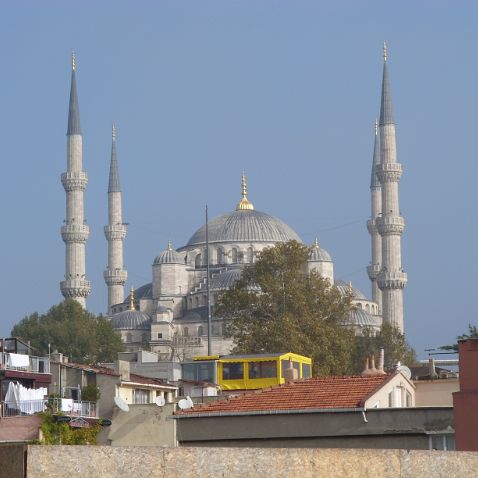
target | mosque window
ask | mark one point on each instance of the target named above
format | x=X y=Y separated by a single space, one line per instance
x=129 y=338
x=250 y=255
x=197 y=301
x=197 y=261
x=367 y=307
x=200 y=331
x=359 y=305
x=186 y=332
x=220 y=255
x=234 y=255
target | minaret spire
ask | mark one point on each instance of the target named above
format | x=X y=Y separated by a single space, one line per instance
x=115 y=232
x=75 y=232
x=391 y=278
x=376 y=202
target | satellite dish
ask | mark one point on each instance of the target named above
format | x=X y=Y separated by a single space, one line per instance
x=405 y=371
x=160 y=401
x=185 y=404
x=191 y=403
x=121 y=404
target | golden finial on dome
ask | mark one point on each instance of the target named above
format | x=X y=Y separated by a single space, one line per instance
x=131 y=299
x=376 y=126
x=170 y=246
x=385 y=51
x=244 y=203
x=113 y=132
x=73 y=61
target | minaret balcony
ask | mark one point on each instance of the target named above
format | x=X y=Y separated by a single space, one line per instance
x=390 y=225
x=75 y=232
x=373 y=271
x=389 y=172
x=392 y=280
x=73 y=288
x=74 y=180
x=115 y=277
x=372 y=226
x=115 y=232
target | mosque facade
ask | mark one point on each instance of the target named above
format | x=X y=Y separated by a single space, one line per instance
x=170 y=314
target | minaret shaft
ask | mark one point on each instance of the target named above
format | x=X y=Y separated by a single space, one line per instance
x=115 y=276
x=75 y=232
x=391 y=278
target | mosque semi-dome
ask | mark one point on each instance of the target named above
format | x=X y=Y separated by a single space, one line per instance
x=168 y=256
x=131 y=320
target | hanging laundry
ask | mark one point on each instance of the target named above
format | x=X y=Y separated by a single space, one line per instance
x=18 y=360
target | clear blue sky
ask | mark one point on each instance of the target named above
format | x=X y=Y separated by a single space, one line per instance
x=201 y=90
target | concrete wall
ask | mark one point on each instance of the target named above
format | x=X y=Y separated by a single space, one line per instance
x=435 y=393
x=143 y=425
x=151 y=462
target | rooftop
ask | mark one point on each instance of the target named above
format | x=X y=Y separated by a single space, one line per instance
x=313 y=393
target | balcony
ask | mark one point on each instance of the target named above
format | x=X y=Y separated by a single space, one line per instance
x=24 y=363
x=68 y=407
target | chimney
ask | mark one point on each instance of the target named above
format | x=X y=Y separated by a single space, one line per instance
x=122 y=367
x=431 y=369
x=381 y=362
x=373 y=370
x=290 y=373
x=366 y=370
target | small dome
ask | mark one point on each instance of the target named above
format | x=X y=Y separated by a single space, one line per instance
x=362 y=318
x=169 y=256
x=317 y=254
x=344 y=288
x=131 y=320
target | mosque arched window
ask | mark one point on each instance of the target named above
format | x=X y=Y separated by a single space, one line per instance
x=186 y=332
x=234 y=255
x=197 y=261
x=129 y=337
x=250 y=255
x=196 y=300
x=367 y=308
x=359 y=305
x=200 y=331
x=220 y=255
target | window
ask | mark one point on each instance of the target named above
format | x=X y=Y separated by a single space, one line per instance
x=441 y=442
x=232 y=371
x=220 y=255
x=201 y=371
x=200 y=331
x=250 y=255
x=140 y=397
x=408 y=399
x=305 y=370
x=160 y=336
x=197 y=261
x=263 y=369
x=234 y=255
x=185 y=332
x=129 y=338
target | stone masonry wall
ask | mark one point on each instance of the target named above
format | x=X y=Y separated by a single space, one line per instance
x=162 y=462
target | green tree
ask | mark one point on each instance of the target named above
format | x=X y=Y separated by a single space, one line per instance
x=72 y=330
x=277 y=307
x=472 y=334
x=391 y=340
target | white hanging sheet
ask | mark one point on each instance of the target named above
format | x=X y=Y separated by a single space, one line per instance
x=18 y=360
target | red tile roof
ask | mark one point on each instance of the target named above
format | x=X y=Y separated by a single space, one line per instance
x=147 y=380
x=90 y=368
x=313 y=393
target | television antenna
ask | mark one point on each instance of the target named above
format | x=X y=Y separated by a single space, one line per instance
x=160 y=401
x=121 y=404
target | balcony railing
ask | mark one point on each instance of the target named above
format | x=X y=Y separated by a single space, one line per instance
x=24 y=363
x=64 y=406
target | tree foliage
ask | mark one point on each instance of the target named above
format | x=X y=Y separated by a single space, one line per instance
x=472 y=334
x=277 y=307
x=71 y=330
x=391 y=340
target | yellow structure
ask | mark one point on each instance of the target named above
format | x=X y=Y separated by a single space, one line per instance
x=249 y=372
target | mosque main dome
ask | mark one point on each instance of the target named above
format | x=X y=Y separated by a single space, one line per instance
x=244 y=225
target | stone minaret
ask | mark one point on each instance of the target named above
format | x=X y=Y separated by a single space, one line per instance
x=391 y=279
x=115 y=232
x=376 y=192
x=75 y=232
